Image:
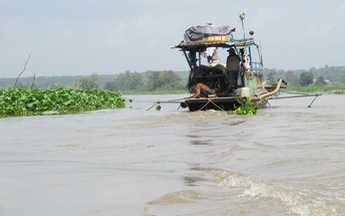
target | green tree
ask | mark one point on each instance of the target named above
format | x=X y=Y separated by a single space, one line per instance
x=90 y=82
x=21 y=85
x=342 y=79
x=320 y=81
x=170 y=77
x=153 y=81
x=271 y=77
x=158 y=80
x=110 y=85
x=306 y=78
x=56 y=85
x=126 y=81
x=291 y=77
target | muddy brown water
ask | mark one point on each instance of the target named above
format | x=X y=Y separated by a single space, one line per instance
x=286 y=160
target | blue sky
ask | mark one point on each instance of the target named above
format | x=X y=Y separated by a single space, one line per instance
x=76 y=37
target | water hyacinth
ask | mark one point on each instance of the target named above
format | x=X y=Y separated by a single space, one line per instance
x=245 y=108
x=23 y=102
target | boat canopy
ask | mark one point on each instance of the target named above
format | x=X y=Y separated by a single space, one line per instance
x=201 y=45
x=202 y=36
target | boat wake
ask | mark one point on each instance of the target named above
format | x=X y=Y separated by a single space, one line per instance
x=219 y=192
x=296 y=201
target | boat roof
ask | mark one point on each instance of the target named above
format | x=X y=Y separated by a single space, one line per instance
x=199 y=45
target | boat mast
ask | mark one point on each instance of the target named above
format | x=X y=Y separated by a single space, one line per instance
x=242 y=16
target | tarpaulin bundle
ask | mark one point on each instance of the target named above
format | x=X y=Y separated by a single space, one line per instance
x=199 y=32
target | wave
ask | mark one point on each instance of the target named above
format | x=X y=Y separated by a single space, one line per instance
x=296 y=201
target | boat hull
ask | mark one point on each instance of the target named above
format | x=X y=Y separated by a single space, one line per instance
x=226 y=104
x=220 y=103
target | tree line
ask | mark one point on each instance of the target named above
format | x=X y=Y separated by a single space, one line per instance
x=126 y=81
x=328 y=75
x=135 y=81
x=169 y=80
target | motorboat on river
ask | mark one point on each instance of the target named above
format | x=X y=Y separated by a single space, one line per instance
x=232 y=83
x=239 y=77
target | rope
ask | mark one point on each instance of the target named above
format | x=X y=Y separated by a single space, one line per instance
x=217 y=105
x=211 y=101
x=204 y=105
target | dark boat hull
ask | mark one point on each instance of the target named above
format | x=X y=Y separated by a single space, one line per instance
x=226 y=104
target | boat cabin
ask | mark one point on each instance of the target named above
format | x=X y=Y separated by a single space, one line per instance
x=233 y=68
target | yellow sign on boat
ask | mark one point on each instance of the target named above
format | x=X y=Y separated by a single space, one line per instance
x=217 y=38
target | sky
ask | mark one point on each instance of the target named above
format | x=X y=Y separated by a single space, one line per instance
x=80 y=37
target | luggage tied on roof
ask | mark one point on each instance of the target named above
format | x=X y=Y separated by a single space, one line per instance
x=199 y=32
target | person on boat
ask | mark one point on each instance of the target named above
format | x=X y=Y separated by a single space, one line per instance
x=245 y=61
x=232 y=69
x=212 y=56
x=200 y=90
x=192 y=58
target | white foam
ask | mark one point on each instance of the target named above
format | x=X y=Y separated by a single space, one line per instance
x=296 y=201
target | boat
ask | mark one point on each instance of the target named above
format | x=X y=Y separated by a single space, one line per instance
x=237 y=81
x=240 y=77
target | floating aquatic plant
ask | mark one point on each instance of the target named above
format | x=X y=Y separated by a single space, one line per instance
x=23 y=102
x=158 y=106
x=245 y=107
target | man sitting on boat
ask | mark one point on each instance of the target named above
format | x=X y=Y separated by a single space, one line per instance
x=200 y=90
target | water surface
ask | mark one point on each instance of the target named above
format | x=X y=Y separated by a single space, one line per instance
x=286 y=160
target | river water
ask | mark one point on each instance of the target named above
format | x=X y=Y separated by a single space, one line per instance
x=286 y=160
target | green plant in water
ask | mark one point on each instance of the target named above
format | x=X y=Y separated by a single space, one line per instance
x=245 y=108
x=23 y=102
x=158 y=106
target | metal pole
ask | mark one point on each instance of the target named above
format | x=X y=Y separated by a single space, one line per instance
x=242 y=16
